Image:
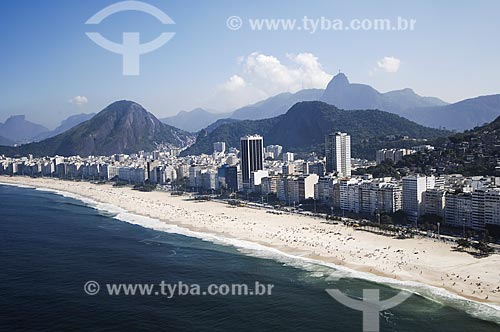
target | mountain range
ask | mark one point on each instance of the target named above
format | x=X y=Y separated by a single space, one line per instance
x=66 y=124
x=304 y=126
x=345 y=95
x=464 y=115
x=199 y=118
x=194 y=120
x=122 y=127
x=276 y=105
x=5 y=141
x=17 y=129
x=429 y=111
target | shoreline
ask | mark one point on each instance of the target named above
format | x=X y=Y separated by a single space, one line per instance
x=420 y=260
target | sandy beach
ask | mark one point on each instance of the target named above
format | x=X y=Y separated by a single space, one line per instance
x=422 y=260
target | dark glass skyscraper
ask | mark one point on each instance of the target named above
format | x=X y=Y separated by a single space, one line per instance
x=252 y=155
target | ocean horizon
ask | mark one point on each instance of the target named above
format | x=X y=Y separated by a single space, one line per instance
x=54 y=243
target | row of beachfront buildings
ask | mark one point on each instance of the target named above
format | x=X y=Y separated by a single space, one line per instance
x=454 y=199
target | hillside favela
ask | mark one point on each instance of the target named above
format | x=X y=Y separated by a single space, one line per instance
x=264 y=166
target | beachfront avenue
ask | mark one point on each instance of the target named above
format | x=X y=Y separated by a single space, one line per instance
x=171 y=290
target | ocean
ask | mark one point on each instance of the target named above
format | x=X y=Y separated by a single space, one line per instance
x=52 y=245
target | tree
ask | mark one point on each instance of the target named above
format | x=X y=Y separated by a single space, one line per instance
x=386 y=219
x=463 y=243
x=399 y=217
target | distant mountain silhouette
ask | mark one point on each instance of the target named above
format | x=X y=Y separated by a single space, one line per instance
x=350 y=96
x=345 y=95
x=465 y=114
x=19 y=130
x=276 y=105
x=428 y=111
x=219 y=123
x=5 y=141
x=122 y=127
x=305 y=125
x=194 y=120
x=66 y=124
x=199 y=118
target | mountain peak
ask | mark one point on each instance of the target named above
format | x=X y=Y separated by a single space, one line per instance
x=122 y=127
x=339 y=80
x=408 y=90
x=16 y=118
x=19 y=130
x=123 y=105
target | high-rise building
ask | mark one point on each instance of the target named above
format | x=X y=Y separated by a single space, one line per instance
x=323 y=190
x=269 y=185
x=485 y=207
x=349 y=195
x=195 y=176
x=252 y=156
x=389 y=197
x=306 y=186
x=209 y=180
x=275 y=150
x=317 y=168
x=219 y=147
x=458 y=209
x=434 y=202
x=392 y=154
x=338 y=153
x=287 y=157
x=413 y=190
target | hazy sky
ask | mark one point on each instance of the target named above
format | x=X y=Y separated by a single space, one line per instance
x=50 y=69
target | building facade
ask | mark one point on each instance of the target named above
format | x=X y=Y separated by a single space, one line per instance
x=252 y=156
x=338 y=154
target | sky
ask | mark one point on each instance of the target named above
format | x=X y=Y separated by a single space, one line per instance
x=50 y=69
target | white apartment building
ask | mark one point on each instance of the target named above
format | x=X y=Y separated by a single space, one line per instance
x=413 y=188
x=288 y=157
x=391 y=154
x=269 y=185
x=458 y=210
x=275 y=150
x=434 y=202
x=306 y=186
x=338 y=154
x=209 y=179
x=257 y=176
x=323 y=190
x=195 y=176
x=288 y=190
x=349 y=195
x=219 y=147
x=485 y=207
x=389 y=196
